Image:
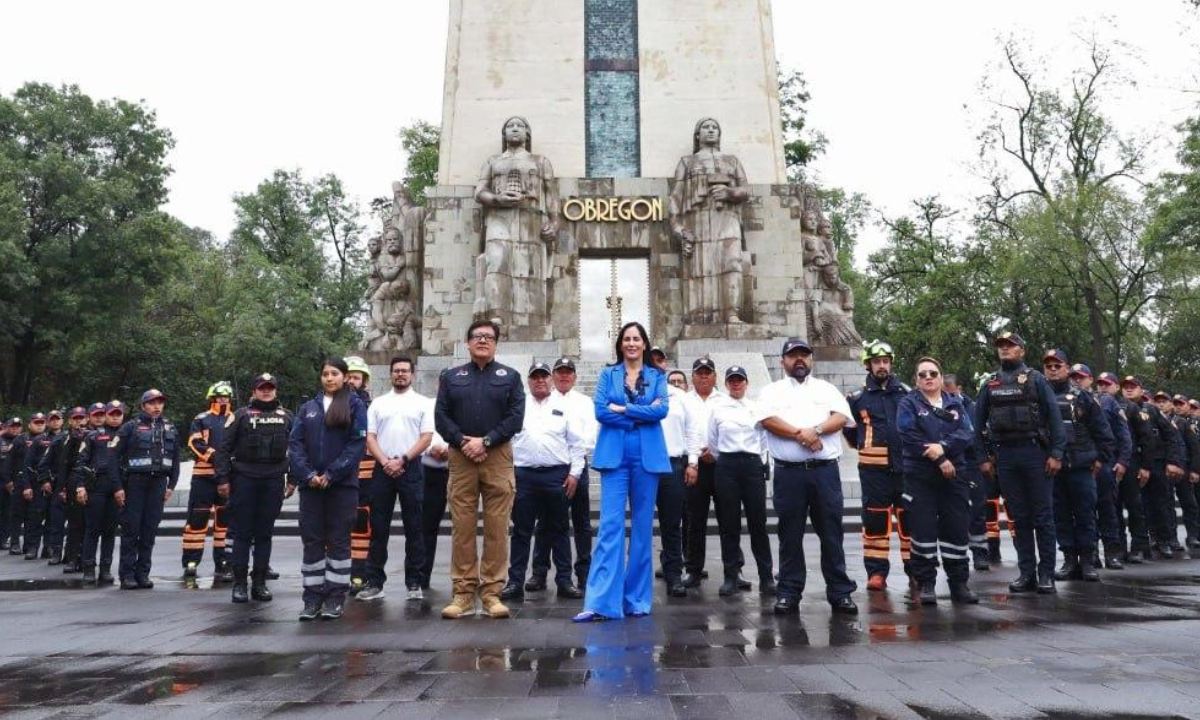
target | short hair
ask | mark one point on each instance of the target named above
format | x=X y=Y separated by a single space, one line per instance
x=950 y=379
x=412 y=364
x=483 y=323
x=680 y=373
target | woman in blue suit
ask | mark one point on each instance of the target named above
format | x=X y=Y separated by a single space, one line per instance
x=631 y=401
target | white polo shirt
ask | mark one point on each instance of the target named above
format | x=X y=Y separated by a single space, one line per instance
x=399 y=419
x=803 y=405
x=733 y=427
x=701 y=409
x=682 y=435
x=583 y=412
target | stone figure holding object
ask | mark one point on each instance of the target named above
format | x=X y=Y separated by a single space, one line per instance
x=705 y=216
x=521 y=213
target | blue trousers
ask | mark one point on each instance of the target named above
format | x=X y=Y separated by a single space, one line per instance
x=1075 y=509
x=801 y=493
x=100 y=528
x=409 y=489
x=254 y=504
x=581 y=528
x=617 y=586
x=939 y=514
x=1029 y=497
x=35 y=518
x=433 y=508
x=1107 y=524
x=541 y=502
x=139 y=522
x=670 y=520
x=325 y=520
x=56 y=524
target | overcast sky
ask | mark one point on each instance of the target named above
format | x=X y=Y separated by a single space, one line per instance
x=247 y=87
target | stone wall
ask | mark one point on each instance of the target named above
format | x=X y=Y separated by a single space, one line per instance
x=772 y=241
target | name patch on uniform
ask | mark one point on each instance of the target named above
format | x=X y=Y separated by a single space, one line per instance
x=501 y=372
x=464 y=372
x=556 y=412
x=113 y=443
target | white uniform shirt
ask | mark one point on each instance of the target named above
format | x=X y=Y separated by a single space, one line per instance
x=437 y=442
x=398 y=420
x=550 y=436
x=733 y=427
x=583 y=411
x=682 y=435
x=701 y=409
x=803 y=405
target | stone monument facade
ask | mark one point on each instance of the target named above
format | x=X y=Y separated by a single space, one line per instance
x=662 y=119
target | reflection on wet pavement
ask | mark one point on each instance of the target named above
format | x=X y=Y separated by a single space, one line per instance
x=1121 y=648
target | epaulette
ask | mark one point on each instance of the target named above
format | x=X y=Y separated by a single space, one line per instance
x=856 y=394
x=905 y=387
x=202 y=415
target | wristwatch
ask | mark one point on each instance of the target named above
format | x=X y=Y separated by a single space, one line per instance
x=487 y=441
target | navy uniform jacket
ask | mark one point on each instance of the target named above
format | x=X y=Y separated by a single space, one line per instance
x=97 y=457
x=1119 y=425
x=1091 y=437
x=56 y=465
x=1155 y=439
x=920 y=424
x=1056 y=437
x=35 y=448
x=479 y=402
x=874 y=410
x=314 y=449
x=257 y=421
x=1191 y=443
x=158 y=439
x=7 y=448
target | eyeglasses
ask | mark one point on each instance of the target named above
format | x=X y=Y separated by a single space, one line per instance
x=927 y=374
x=483 y=338
x=1053 y=366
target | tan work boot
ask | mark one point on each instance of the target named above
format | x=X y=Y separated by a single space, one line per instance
x=494 y=608
x=461 y=605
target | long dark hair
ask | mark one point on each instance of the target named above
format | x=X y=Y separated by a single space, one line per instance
x=338 y=415
x=646 y=362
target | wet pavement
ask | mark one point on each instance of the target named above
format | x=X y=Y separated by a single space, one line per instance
x=1125 y=648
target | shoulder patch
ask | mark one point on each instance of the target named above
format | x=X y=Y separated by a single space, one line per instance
x=232 y=419
x=115 y=441
x=202 y=415
x=854 y=395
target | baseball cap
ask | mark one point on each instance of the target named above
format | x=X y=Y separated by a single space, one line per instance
x=1055 y=354
x=13 y=421
x=658 y=350
x=96 y=408
x=1008 y=336
x=1179 y=399
x=704 y=362
x=78 y=412
x=1130 y=380
x=114 y=406
x=1081 y=369
x=736 y=371
x=794 y=343
x=37 y=417
x=564 y=362
x=1107 y=377
x=56 y=413
x=264 y=379
x=538 y=367
x=152 y=394
x=1162 y=394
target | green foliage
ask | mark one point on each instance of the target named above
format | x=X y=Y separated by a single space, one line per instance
x=420 y=143
x=801 y=144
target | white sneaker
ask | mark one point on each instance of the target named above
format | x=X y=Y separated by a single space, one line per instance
x=370 y=592
x=416 y=594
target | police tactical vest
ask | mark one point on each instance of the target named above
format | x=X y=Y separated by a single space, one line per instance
x=263 y=437
x=1146 y=435
x=152 y=447
x=1014 y=413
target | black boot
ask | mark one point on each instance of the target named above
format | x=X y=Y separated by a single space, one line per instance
x=1096 y=561
x=223 y=572
x=1087 y=568
x=1070 y=569
x=47 y=553
x=1023 y=584
x=928 y=593
x=962 y=595
x=258 y=588
x=55 y=556
x=1045 y=583
x=980 y=557
x=239 y=585
x=1112 y=558
x=271 y=574
x=89 y=575
x=994 y=551
x=729 y=587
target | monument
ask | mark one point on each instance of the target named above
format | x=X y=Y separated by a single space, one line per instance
x=638 y=174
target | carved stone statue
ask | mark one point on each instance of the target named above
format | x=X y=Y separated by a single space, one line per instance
x=409 y=219
x=705 y=216
x=521 y=212
x=831 y=300
x=388 y=289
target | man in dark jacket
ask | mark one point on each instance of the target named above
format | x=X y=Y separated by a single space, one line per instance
x=1159 y=458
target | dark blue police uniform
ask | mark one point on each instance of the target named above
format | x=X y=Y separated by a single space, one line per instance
x=146 y=465
x=37 y=508
x=94 y=473
x=1107 y=486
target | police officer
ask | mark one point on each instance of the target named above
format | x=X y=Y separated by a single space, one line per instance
x=146 y=470
x=250 y=465
x=1090 y=446
x=1111 y=472
x=738 y=443
x=8 y=437
x=879 y=463
x=804 y=417
x=1023 y=423
x=56 y=466
x=683 y=439
x=34 y=491
x=204 y=502
x=548 y=456
x=935 y=431
x=1159 y=459
x=1128 y=500
x=95 y=486
x=435 y=466
x=76 y=510
x=16 y=463
x=977 y=528
x=1175 y=409
x=1193 y=407
x=358 y=380
x=583 y=412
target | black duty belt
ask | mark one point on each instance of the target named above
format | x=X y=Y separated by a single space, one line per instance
x=804 y=464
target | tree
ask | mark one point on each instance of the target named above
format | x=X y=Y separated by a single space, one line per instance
x=87 y=240
x=801 y=144
x=420 y=142
x=1064 y=187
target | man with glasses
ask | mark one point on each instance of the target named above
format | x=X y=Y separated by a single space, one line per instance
x=1019 y=414
x=480 y=407
x=1090 y=446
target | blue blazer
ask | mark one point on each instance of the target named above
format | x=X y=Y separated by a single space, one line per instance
x=642 y=417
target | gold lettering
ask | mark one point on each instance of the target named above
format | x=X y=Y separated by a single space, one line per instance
x=589 y=206
x=623 y=209
x=573 y=210
x=656 y=203
x=638 y=205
